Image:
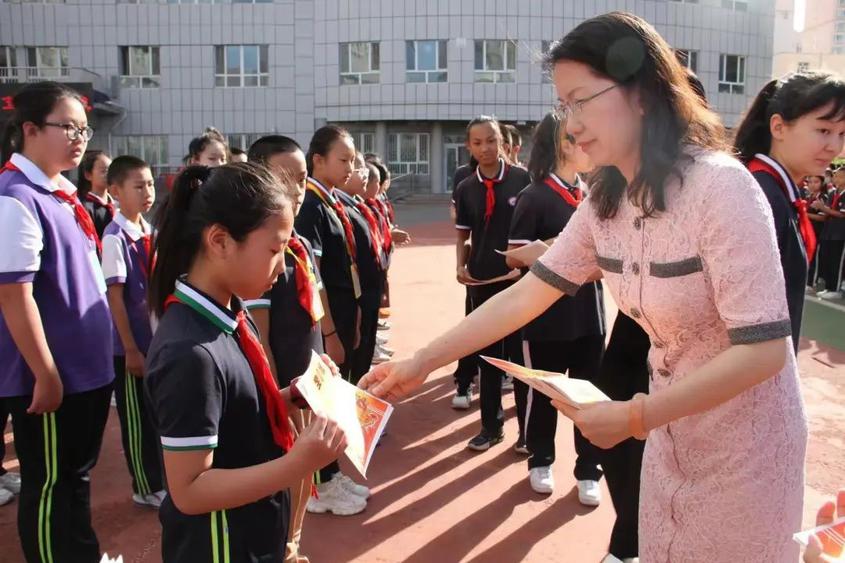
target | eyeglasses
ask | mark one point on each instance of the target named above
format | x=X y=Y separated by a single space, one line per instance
x=566 y=110
x=73 y=132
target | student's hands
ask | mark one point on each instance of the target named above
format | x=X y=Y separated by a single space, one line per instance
x=320 y=443
x=818 y=205
x=463 y=276
x=135 y=362
x=394 y=380
x=329 y=362
x=334 y=349
x=47 y=394
x=400 y=237
x=604 y=424
x=815 y=552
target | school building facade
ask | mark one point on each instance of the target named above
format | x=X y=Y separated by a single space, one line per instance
x=404 y=76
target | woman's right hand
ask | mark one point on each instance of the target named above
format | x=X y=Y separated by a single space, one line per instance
x=815 y=552
x=334 y=348
x=463 y=276
x=394 y=380
x=320 y=443
x=47 y=394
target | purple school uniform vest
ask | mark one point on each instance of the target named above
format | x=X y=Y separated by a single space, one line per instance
x=74 y=310
x=134 y=290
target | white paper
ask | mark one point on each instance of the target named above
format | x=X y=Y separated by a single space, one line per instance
x=837 y=536
x=528 y=253
x=512 y=275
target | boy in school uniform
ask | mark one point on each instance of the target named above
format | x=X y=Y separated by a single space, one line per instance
x=484 y=205
x=127 y=261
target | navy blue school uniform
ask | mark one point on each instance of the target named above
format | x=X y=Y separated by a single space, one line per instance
x=833 y=244
x=203 y=396
x=370 y=266
x=781 y=191
x=101 y=210
x=45 y=244
x=319 y=222
x=127 y=260
x=568 y=336
x=293 y=331
x=489 y=227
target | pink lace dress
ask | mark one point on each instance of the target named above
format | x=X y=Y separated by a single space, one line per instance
x=725 y=485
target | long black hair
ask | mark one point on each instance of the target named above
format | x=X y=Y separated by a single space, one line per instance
x=239 y=197
x=89 y=159
x=545 y=148
x=791 y=97
x=628 y=50
x=322 y=141
x=33 y=103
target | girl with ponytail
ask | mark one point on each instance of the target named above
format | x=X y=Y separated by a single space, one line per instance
x=223 y=234
x=794 y=128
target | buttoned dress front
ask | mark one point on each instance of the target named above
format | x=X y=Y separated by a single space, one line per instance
x=705 y=274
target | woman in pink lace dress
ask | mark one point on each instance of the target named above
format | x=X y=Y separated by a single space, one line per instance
x=684 y=239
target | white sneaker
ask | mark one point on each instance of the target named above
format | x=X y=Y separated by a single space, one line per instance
x=589 y=493
x=11 y=482
x=333 y=497
x=6 y=497
x=542 y=480
x=507 y=383
x=828 y=295
x=153 y=500
x=380 y=357
x=383 y=325
x=610 y=558
x=382 y=349
x=353 y=487
x=381 y=339
x=462 y=402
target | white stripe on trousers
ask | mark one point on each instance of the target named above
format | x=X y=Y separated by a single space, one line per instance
x=526 y=353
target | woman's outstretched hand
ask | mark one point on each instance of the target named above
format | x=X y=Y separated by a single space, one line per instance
x=393 y=380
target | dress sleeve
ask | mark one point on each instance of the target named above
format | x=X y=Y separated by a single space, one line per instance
x=571 y=261
x=741 y=258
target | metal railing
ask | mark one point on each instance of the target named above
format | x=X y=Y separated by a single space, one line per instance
x=21 y=74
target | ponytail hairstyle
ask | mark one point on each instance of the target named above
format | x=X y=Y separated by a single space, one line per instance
x=89 y=159
x=238 y=197
x=545 y=150
x=33 y=103
x=321 y=143
x=792 y=96
x=627 y=50
x=199 y=144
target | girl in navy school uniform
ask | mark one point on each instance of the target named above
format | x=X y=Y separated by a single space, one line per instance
x=324 y=221
x=127 y=260
x=569 y=336
x=793 y=129
x=93 y=189
x=53 y=304
x=223 y=234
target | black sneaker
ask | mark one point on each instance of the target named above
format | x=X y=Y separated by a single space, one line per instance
x=484 y=440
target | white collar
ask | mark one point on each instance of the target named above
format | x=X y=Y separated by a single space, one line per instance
x=342 y=195
x=134 y=231
x=102 y=200
x=793 y=190
x=579 y=183
x=37 y=176
x=499 y=176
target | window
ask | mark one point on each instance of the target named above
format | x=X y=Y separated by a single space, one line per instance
x=35 y=1
x=365 y=141
x=140 y=67
x=685 y=1
x=359 y=63
x=803 y=67
x=8 y=64
x=151 y=148
x=243 y=140
x=425 y=61
x=738 y=5
x=241 y=66
x=732 y=74
x=47 y=62
x=687 y=58
x=495 y=60
x=407 y=153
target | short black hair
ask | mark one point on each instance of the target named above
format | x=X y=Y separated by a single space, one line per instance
x=121 y=166
x=270 y=145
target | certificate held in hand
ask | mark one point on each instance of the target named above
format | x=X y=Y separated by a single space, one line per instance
x=361 y=416
x=576 y=393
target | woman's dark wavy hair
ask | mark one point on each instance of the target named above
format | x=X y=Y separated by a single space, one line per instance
x=628 y=50
x=792 y=96
x=239 y=197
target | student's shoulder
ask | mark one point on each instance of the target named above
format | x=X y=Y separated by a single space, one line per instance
x=519 y=173
x=183 y=342
x=112 y=229
x=15 y=185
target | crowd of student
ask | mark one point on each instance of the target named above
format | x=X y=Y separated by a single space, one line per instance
x=194 y=321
